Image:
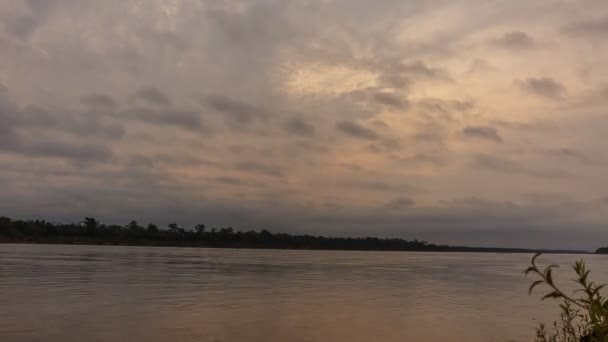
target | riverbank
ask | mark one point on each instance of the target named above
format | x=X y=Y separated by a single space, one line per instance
x=92 y=232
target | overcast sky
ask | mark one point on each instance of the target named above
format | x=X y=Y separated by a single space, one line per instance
x=463 y=121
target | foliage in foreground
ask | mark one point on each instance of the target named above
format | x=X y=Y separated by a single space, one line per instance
x=584 y=313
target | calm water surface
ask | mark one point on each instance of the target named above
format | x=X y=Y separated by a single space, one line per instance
x=90 y=293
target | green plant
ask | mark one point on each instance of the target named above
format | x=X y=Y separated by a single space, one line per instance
x=584 y=313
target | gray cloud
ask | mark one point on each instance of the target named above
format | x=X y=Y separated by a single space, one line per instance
x=402 y=76
x=166 y=38
x=390 y=100
x=527 y=126
x=516 y=40
x=57 y=148
x=505 y=165
x=68 y=122
x=478 y=203
x=229 y=180
x=568 y=153
x=259 y=168
x=483 y=132
x=237 y=182
x=21 y=26
x=356 y=130
x=100 y=101
x=185 y=119
x=391 y=79
x=418 y=158
x=165 y=159
x=386 y=146
x=386 y=76
x=595 y=28
x=445 y=106
x=376 y=185
x=153 y=96
x=63 y=149
x=400 y=203
x=380 y=124
x=237 y=112
x=419 y=69
x=299 y=127
x=41 y=6
x=543 y=87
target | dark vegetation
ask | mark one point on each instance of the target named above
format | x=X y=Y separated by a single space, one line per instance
x=603 y=250
x=91 y=231
x=584 y=313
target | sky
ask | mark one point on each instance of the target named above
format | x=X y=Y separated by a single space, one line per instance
x=464 y=122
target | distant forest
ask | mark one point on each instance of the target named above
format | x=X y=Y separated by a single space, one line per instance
x=92 y=232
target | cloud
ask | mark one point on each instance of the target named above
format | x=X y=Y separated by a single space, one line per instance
x=21 y=26
x=153 y=96
x=237 y=112
x=57 y=148
x=75 y=123
x=308 y=116
x=404 y=75
x=544 y=87
x=419 y=159
x=238 y=183
x=533 y=126
x=400 y=203
x=483 y=132
x=597 y=27
x=299 y=127
x=170 y=160
x=182 y=118
x=229 y=180
x=516 y=40
x=419 y=70
x=42 y=6
x=380 y=124
x=259 y=168
x=390 y=100
x=386 y=145
x=100 y=101
x=505 y=165
x=354 y=129
x=444 y=106
x=568 y=153
x=396 y=80
x=70 y=150
x=376 y=185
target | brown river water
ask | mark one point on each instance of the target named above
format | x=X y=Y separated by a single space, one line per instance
x=139 y=294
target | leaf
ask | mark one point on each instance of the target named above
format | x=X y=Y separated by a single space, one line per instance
x=534 y=257
x=549 y=276
x=534 y=284
x=553 y=294
x=529 y=269
x=598 y=288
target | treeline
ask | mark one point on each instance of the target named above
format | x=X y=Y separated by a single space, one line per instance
x=91 y=231
x=602 y=250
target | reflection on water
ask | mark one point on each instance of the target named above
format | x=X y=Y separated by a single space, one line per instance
x=90 y=293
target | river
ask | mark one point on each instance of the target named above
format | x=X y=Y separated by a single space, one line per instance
x=100 y=293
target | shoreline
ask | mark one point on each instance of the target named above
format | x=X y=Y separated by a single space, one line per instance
x=450 y=249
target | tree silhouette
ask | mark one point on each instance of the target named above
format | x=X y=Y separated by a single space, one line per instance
x=152 y=228
x=91 y=231
x=200 y=228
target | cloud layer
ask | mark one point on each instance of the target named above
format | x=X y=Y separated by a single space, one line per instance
x=445 y=120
